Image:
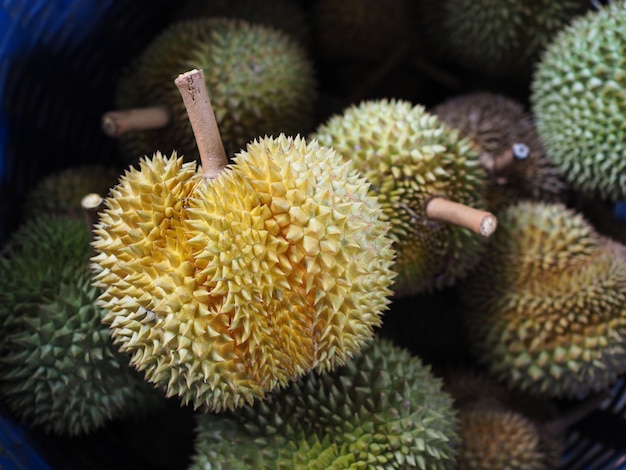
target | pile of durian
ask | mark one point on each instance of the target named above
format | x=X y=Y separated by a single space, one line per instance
x=362 y=234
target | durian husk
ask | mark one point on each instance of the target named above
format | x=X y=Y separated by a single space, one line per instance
x=497 y=122
x=382 y=409
x=223 y=290
x=409 y=156
x=546 y=310
x=261 y=82
x=577 y=98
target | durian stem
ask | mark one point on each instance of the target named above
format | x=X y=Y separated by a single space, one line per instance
x=192 y=87
x=91 y=204
x=500 y=165
x=482 y=222
x=117 y=123
x=557 y=426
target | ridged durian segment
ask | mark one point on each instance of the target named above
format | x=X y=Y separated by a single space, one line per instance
x=61 y=192
x=579 y=102
x=546 y=310
x=382 y=409
x=282 y=15
x=502 y=39
x=497 y=122
x=260 y=81
x=367 y=30
x=279 y=265
x=409 y=157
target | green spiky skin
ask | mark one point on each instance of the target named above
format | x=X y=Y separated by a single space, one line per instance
x=260 y=82
x=502 y=39
x=59 y=369
x=546 y=310
x=496 y=123
x=384 y=410
x=579 y=102
x=409 y=156
x=61 y=193
x=283 y=15
x=367 y=30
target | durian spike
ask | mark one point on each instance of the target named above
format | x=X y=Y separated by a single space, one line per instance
x=193 y=89
x=482 y=222
x=117 y=123
x=91 y=204
x=558 y=426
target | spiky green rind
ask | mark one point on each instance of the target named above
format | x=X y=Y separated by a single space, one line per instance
x=382 y=410
x=409 y=157
x=61 y=193
x=60 y=370
x=502 y=39
x=260 y=81
x=496 y=123
x=224 y=290
x=546 y=310
x=361 y=29
x=579 y=102
x=283 y=15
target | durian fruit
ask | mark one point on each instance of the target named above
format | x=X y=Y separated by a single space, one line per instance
x=579 y=102
x=261 y=82
x=59 y=369
x=223 y=289
x=284 y=15
x=510 y=147
x=545 y=312
x=410 y=157
x=499 y=428
x=368 y=30
x=383 y=409
x=61 y=192
x=495 y=38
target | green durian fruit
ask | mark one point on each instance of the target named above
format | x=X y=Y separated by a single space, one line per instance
x=499 y=125
x=409 y=156
x=495 y=38
x=382 y=409
x=61 y=192
x=260 y=82
x=283 y=15
x=59 y=369
x=579 y=102
x=546 y=310
x=367 y=30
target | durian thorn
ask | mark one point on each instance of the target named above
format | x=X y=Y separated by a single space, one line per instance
x=91 y=204
x=482 y=222
x=556 y=427
x=192 y=87
x=117 y=123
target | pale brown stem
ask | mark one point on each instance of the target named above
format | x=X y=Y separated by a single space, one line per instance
x=482 y=222
x=91 y=204
x=557 y=426
x=192 y=87
x=117 y=123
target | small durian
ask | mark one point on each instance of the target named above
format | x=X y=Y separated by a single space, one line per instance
x=510 y=147
x=495 y=38
x=383 y=409
x=545 y=311
x=411 y=159
x=261 y=82
x=578 y=98
x=228 y=284
x=59 y=369
x=283 y=15
x=61 y=192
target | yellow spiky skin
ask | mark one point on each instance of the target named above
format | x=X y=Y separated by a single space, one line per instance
x=546 y=310
x=409 y=156
x=225 y=289
x=497 y=122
